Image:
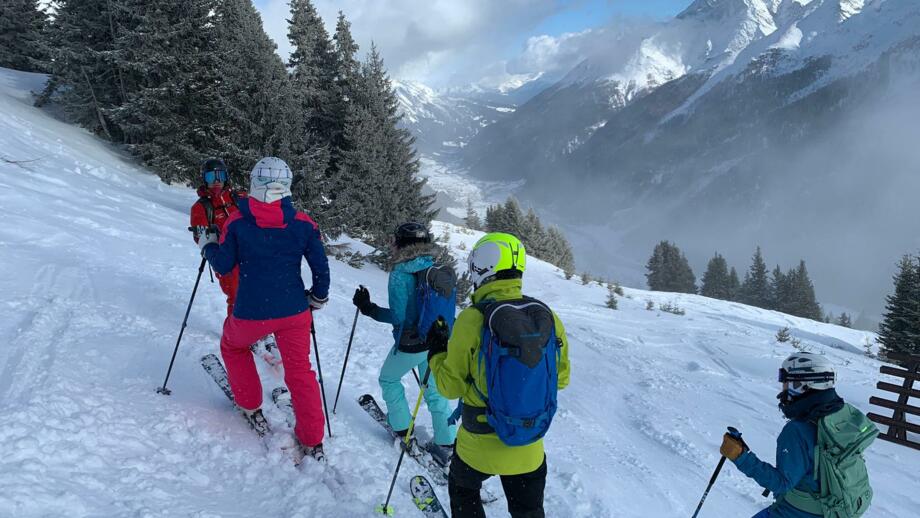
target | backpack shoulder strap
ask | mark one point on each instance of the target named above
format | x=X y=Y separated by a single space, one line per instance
x=208 y=209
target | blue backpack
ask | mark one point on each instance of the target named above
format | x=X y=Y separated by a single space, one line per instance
x=520 y=352
x=436 y=297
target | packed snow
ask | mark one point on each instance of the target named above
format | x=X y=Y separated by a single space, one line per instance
x=98 y=270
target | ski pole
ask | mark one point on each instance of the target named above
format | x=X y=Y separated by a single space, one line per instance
x=416 y=377
x=163 y=390
x=319 y=368
x=345 y=363
x=385 y=507
x=737 y=435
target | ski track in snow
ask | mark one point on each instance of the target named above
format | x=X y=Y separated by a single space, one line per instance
x=98 y=271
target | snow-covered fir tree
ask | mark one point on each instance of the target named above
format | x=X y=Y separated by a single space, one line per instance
x=22 y=36
x=85 y=78
x=172 y=117
x=254 y=95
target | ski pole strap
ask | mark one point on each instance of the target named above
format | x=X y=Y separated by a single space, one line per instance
x=471 y=423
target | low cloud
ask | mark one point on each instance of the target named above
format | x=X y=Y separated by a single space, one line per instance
x=433 y=41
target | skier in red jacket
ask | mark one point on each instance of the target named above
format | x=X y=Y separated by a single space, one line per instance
x=215 y=204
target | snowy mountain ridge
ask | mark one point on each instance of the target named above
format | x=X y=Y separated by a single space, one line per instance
x=99 y=272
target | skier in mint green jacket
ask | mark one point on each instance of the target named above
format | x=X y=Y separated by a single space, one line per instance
x=412 y=252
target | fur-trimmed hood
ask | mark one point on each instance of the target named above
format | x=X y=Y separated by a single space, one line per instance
x=411 y=252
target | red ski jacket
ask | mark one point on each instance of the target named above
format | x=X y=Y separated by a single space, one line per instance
x=222 y=206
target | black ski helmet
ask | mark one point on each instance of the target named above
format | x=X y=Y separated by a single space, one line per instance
x=410 y=233
x=213 y=164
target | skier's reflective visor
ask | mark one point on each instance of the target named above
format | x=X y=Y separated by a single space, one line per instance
x=216 y=175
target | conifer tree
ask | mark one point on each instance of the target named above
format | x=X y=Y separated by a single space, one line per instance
x=561 y=251
x=669 y=270
x=716 y=280
x=780 y=290
x=84 y=80
x=254 y=95
x=802 y=301
x=472 y=220
x=756 y=288
x=844 y=320
x=312 y=66
x=22 y=36
x=899 y=331
x=170 y=118
x=535 y=238
x=734 y=284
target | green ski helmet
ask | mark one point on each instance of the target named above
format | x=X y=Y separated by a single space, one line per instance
x=494 y=254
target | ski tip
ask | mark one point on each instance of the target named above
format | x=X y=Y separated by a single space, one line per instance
x=364 y=398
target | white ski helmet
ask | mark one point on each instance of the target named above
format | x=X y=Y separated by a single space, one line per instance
x=807 y=371
x=270 y=180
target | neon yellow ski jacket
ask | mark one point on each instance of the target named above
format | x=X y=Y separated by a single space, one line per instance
x=456 y=369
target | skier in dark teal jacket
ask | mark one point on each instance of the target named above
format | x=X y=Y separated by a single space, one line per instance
x=808 y=395
x=412 y=252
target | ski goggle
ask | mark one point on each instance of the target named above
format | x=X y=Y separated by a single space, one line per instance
x=262 y=181
x=785 y=376
x=215 y=175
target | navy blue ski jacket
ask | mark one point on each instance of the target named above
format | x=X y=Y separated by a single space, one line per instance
x=268 y=241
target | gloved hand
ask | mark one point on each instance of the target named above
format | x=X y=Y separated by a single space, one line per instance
x=362 y=301
x=207 y=236
x=732 y=448
x=317 y=303
x=437 y=339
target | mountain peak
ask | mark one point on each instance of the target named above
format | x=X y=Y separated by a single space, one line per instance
x=722 y=9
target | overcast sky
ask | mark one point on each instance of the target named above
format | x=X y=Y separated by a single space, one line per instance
x=456 y=42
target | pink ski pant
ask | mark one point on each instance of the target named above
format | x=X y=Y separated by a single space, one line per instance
x=292 y=334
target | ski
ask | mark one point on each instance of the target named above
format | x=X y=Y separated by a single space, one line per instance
x=425 y=498
x=265 y=349
x=218 y=373
x=282 y=399
x=421 y=455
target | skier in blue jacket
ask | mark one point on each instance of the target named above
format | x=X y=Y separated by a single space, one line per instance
x=808 y=395
x=412 y=252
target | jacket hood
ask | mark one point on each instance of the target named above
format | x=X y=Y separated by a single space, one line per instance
x=811 y=406
x=277 y=214
x=406 y=258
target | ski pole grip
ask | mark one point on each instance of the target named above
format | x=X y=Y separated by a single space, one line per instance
x=734 y=432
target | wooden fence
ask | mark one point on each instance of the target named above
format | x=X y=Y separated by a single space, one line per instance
x=898 y=425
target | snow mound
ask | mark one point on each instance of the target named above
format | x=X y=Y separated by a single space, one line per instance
x=98 y=272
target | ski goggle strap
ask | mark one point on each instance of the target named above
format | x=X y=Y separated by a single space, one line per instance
x=785 y=376
x=215 y=175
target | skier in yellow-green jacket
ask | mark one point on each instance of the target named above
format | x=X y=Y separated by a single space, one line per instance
x=522 y=365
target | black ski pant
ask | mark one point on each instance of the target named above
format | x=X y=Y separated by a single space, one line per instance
x=524 y=492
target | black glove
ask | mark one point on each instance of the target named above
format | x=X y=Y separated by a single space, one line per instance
x=437 y=339
x=362 y=301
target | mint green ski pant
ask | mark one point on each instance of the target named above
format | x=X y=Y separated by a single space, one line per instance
x=397 y=365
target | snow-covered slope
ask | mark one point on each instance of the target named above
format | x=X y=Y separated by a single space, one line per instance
x=98 y=268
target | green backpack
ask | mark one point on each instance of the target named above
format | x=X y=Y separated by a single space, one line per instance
x=840 y=469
